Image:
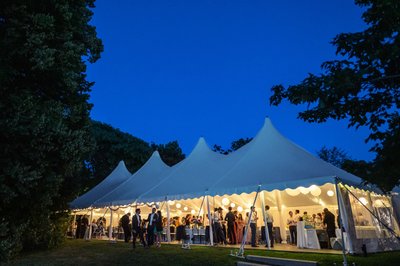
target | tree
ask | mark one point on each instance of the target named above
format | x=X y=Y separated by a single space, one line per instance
x=170 y=153
x=110 y=145
x=333 y=155
x=235 y=145
x=44 y=117
x=362 y=86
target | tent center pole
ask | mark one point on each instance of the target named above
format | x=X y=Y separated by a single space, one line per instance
x=265 y=221
x=168 y=231
x=341 y=223
x=240 y=253
x=210 y=221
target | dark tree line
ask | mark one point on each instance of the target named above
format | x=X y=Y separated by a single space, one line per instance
x=44 y=117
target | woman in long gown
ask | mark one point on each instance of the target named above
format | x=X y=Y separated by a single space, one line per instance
x=239 y=228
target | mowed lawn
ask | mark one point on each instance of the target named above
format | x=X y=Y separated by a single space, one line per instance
x=96 y=252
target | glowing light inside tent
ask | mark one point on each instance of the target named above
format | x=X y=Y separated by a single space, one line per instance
x=193 y=212
x=363 y=200
x=378 y=203
x=171 y=202
x=330 y=193
x=225 y=201
x=315 y=190
x=292 y=192
x=185 y=208
x=239 y=209
x=321 y=202
x=303 y=190
x=233 y=205
x=178 y=205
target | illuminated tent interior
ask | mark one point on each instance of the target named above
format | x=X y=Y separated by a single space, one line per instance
x=286 y=176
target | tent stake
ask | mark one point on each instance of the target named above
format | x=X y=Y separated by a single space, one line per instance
x=341 y=223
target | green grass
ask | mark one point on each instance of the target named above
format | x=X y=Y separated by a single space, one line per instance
x=95 y=252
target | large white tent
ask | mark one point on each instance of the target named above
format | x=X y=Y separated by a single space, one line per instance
x=271 y=166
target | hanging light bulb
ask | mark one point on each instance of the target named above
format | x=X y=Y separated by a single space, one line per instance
x=185 y=208
x=178 y=205
x=363 y=200
x=239 y=209
x=315 y=190
x=193 y=212
x=171 y=202
x=233 y=205
x=330 y=193
x=225 y=201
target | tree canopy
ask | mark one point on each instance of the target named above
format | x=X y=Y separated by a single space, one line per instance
x=361 y=86
x=235 y=145
x=44 y=116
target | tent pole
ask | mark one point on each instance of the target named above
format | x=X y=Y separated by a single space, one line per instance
x=210 y=220
x=341 y=223
x=168 y=231
x=73 y=226
x=110 y=227
x=240 y=253
x=265 y=220
x=90 y=224
x=282 y=225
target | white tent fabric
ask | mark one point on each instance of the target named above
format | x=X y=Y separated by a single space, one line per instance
x=113 y=180
x=274 y=162
x=269 y=160
x=191 y=177
x=149 y=175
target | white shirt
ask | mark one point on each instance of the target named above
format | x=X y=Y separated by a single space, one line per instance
x=254 y=217
x=268 y=217
x=151 y=218
x=291 y=221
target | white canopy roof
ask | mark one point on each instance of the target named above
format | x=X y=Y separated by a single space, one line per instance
x=149 y=175
x=274 y=162
x=191 y=177
x=113 y=180
x=269 y=160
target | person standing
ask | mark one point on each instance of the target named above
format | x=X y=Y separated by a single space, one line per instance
x=329 y=222
x=159 y=228
x=125 y=220
x=270 y=220
x=152 y=220
x=292 y=223
x=137 y=228
x=253 y=226
x=230 y=218
x=219 y=233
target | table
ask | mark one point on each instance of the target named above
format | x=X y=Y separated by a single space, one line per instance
x=307 y=238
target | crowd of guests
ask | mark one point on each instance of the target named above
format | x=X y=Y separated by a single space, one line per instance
x=227 y=229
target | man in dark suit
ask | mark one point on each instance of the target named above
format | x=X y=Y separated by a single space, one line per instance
x=230 y=218
x=137 y=228
x=152 y=220
x=125 y=225
x=329 y=221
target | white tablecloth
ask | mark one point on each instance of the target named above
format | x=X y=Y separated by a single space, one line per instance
x=307 y=238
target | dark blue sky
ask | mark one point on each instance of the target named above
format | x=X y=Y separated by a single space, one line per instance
x=178 y=70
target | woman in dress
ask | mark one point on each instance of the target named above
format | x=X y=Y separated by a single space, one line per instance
x=239 y=228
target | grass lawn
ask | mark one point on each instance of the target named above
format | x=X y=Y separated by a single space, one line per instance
x=96 y=252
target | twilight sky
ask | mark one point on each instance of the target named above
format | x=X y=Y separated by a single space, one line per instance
x=178 y=70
